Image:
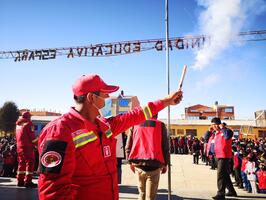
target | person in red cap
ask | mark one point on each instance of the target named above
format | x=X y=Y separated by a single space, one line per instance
x=78 y=150
x=26 y=141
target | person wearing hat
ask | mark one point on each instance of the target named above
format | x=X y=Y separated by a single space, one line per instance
x=223 y=152
x=25 y=137
x=78 y=150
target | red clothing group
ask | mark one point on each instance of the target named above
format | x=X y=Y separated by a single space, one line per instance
x=78 y=158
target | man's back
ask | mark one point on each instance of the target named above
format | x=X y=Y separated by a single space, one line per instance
x=148 y=144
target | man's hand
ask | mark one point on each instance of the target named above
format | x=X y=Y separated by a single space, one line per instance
x=132 y=167
x=164 y=170
x=173 y=99
x=221 y=126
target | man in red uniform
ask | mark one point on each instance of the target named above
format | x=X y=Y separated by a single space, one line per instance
x=147 y=150
x=223 y=152
x=25 y=137
x=78 y=150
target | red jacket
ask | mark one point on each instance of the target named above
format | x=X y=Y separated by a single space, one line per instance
x=210 y=141
x=244 y=162
x=9 y=157
x=25 y=136
x=78 y=158
x=261 y=174
x=223 y=147
x=147 y=142
x=236 y=161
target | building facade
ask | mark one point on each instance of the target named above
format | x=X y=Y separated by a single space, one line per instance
x=197 y=119
x=197 y=128
x=202 y=112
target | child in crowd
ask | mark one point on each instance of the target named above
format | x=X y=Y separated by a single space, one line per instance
x=247 y=186
x=1 y=163
x=261 y=176
x=250 y=170
x=237 y=160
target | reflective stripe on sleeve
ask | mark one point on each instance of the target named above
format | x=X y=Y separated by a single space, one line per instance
x=21 y=172
x=108 y=133
x=35 y=140
x=147 y=112
x=84 y=138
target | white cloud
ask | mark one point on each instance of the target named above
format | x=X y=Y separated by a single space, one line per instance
x=223 y=20
x=208 y=82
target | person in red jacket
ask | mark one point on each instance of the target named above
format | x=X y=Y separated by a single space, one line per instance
x=237 y=168
x=147 y=150
x=26 y=140
x=223 y=152
x=78 y=150
x=261 y=176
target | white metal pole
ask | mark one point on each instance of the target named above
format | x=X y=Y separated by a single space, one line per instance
x=168 y=91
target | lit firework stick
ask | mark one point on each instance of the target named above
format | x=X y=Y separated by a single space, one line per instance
x=182 y=77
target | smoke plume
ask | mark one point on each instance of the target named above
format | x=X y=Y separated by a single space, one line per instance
x=222 y=20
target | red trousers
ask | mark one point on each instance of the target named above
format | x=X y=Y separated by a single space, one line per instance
x=25 y=167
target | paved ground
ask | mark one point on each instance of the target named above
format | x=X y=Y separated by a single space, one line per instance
x=189 y=182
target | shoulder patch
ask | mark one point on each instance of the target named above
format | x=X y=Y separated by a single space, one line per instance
x=52 y=156
x=51 y=159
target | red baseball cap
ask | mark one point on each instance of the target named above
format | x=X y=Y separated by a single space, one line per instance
x=26 y=114
x=92 y=83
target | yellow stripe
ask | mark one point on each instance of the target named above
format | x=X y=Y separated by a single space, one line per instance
x=35 y=140
x=145 y=115
x=147 y=112
x=21 y=172
x=82 y=135
x=85 y=142
x=109 y=133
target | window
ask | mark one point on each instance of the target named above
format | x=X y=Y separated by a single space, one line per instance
x=194 y=111
x=180 y=131
x=228 y=110
x=42 y=126
x=262 y=134
x=202 y=117
x=193 y=118
x=192 y=132
x=172 y=133
x=208 y=110
x=236 y=133
x=123 y=102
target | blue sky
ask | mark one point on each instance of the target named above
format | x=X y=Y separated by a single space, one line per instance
x=234 y=76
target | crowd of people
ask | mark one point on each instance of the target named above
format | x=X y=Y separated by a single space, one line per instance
x=77 y=150
x=8 y=156
x=247 y=165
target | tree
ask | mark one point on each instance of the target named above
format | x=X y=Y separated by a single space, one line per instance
x=9 y=114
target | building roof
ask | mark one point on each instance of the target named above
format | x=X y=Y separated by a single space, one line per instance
x=43 y=118
x=173 y=121
x=208 y=122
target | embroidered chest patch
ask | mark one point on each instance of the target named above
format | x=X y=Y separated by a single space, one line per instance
x=106 y=151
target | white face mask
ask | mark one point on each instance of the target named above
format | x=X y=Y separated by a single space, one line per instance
x=107 y=109
x=99 y=109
